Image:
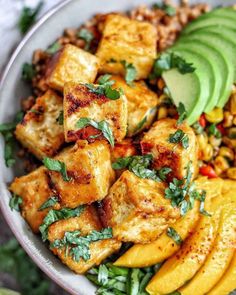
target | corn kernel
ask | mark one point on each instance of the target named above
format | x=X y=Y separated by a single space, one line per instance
x=215 y=116
x=162 y=113
x=207 y=153
x=232 y=104
x=231 y=173
x=220 y=165
x=228 y=119
x=215 y=142
x=234 y=120
x=226 y=153
x=202 y=140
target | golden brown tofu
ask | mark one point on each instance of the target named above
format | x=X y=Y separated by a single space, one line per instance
x=142 y=104
x=123 y=149
x=34 y=190
x=85 y=223
x=173 y=155
x=40 y=131
x=80 y=102
x=71 y=64
x=129 y=40
x=137 y=210
x=89 y=167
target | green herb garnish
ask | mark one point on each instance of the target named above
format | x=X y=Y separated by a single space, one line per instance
x=49 y=203
x=180 y=137
x=130 y=72
x=56 y=165
x=103 y=126
x=15 y=202
x=141 y=124
x=172 y=233
x=87 y=36
x=28 y=72
x=53 y=48
x=213 y=130
x=55 y=215
x=168 y=9
x=163 y=172
x=80 y=245
x=60 y=118
x=198 y=128
x=182 y=113
x=201 y=197
x=28 y=17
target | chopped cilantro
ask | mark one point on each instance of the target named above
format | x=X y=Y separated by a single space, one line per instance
x=180 y=137
x=28 y=72
x=80 y=245
x=213 y=130
x=198 y=128
x=28 y=17
x=168 y=9
x=60 y=118
x=201 y=197
x=172 y=233
x=15 y=202
x=182 y=113
x=163 y=172
x=55 y=215
x=53 y=48
x=141 y=124
x=87 y=36
x=130 y=72
x=103 y=126
x=49 y=203
x=56 y=165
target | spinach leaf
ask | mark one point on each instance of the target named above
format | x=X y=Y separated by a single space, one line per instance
x=56 y=165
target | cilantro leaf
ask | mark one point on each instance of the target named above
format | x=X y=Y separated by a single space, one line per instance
x=141 y=124
x=213 y=130
x=87 y=36
x=56 y=165
x=182 y=113
x=163 y=172
x=80 y=245
x=49 y=203
x=28 y=72
x=111 y=93
x=28 y=17
x=198 y=128
x=168 y=9
x=55 y=215
x=180 y=137
x=15 y=202
x=103 y=126
x=201 y=197
x=103 y=274
x=53 y=48
x=60 y=118
x=130 y=72
x=172 y=233
x=105 y=80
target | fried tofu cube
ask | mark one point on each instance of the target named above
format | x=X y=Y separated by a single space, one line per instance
x=40 y=131
x=90 y=172
x=127 y=40
x=123 y=149
x=167 y=154
x=34 y=190
x=71 y=64
x=137 y=210
x=80 y=102
x=142 y=104
x=85 y=223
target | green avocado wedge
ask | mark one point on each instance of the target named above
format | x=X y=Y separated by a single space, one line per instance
x=226 y=49
x=177 y=85
x=216 y=65
x=225 y=12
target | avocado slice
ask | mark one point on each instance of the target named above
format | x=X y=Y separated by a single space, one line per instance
x=209 y=20
x=226 y=49
x=216 y=65
x=182 y=91
x=225 y=12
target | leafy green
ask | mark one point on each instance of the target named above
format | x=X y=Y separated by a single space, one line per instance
x=130 y=72
x=141 y=124
x=56 y=165
x=180 y=137
x=87 y=36
x=49 y=203
x=28 y=17
x=55 y=215
x=201 y=197
x=163 y=172
x=60 y=118
x=15 y=202
x=170 y=60
x=28 y=72
x=7 y=131
x=172 y=233
x=103 y=126
x=16 y=262
x=80 y=245
x=168 y=9
x=139 y=165
x=53 y=48
x=198 y=128
x=182 y=113
x=213 y=130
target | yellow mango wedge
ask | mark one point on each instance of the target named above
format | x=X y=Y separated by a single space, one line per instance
x=220 y=257
x=228 y=282
x=181 y=267
x=164 y=247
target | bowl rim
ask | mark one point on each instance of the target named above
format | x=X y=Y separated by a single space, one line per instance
x=6 y=216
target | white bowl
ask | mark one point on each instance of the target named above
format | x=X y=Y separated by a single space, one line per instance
x=71 y=13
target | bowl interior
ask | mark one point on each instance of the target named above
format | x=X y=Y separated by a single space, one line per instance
x=69 y=14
